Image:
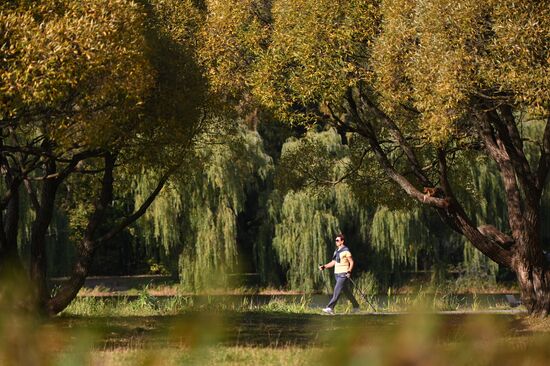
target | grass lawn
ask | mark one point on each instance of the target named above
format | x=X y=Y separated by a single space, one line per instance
x=278 y=338
x=138 y=333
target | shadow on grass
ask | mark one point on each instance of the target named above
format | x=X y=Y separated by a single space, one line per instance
x=261 y=329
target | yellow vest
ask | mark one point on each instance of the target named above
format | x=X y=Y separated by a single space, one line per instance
x=343 y=266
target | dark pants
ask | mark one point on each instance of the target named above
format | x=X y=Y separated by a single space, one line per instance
x=342 y=285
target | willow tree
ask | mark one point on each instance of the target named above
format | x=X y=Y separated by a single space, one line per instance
x=84 y=103
x=197 y=215
x=306 y=218
x=429 y=79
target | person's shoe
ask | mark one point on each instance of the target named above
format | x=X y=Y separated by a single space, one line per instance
x=354 y=310
x=328 y=311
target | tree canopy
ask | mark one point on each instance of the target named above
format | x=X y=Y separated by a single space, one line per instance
x=84 y=103
x=399 y=106
x=422 y=83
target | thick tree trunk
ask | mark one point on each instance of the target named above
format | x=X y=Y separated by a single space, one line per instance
x=70 y=289
x=530 y=263
x=525 y=257
x=522 y=253
x=534 y=283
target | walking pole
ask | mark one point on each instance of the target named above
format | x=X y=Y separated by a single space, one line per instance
x=327 y=287
x=363 y=295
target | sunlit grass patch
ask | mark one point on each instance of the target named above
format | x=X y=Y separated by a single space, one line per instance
x=142 y=305
x=222 y=355
x=280 y=304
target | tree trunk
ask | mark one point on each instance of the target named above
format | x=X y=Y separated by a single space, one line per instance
x=525 y=258
x=12 y=223
x=524 y=254
x=38 y=258
x=87 y=247
x=534 y=283
x=530 y=263
x=70 y=289
x=90 y=243
x=10 y=263
x=9 y=220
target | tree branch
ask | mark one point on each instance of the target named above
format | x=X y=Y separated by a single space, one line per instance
x=496 y=150
x=32 y=195
x=139 y=212
x=398 y=136
x=515 y=138
x=367 y=131
x=510 y=143
x=492 y=232
x=451 y=212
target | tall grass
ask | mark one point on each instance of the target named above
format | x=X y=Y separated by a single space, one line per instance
x=432 y=299
x=294 y=334
x=146 y=305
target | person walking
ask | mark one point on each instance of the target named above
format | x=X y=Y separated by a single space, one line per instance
x=342 y=261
